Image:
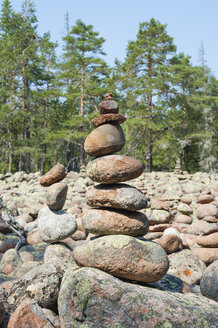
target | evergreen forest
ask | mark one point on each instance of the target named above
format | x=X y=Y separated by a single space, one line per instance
x=47 y=101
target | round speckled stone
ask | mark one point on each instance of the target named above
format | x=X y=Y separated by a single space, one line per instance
x=124 y=257
x=115 y=222
x=105 y=139
x=114 y=168
x=119 y=195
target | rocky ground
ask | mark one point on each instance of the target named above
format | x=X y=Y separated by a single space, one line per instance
x=183 y=219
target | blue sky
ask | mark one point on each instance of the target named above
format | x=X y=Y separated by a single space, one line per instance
x=188 y=22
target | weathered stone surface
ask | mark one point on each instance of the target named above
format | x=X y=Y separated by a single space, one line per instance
x=186 y=266
x=206 y=210
x=2 y=312
x=33 y=237
x=9 y=242
x=170 y=243
x=184 y=208
x=124 y=256
x=91 y=298
x=10 y=261
x=159 y=216
x=158 y=227
x=204 y=199
x=210 y=240
x=182 y=218
x=56 y=174
x=104 y=140
x=203 y=227
x=188 y=240
x=108 y=106
x=114 y=168
x=60 y=256
x=187 y=199
x=209 y=282
x=108 y=118
x=120 y=196
x=115 y=222
x=56 y=196
x=54 y=226
x=30 y=315
x=207 y=255
x=40 y=284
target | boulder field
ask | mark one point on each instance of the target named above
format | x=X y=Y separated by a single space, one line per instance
x=44 y=282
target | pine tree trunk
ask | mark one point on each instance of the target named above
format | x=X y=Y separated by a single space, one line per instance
x=22 y=135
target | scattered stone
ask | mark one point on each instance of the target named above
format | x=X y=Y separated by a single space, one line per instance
x=159 y=216
x=56 y=174
x=120 y=196
x=186 y=199
x=114 y=168
x=170 y=243
x=182 y=218
x=210 y=240
x=153 y=235
x=10 y=261
x=113 y=222
x=56 y=196
x=206 y=210
x=209 y=282
x=207 y=255
x=33 y=285
x=124 y=257
x=204 y=199
x=158 y=227
x=186 y=267
x=90 y=297
x=188 y=240
x=108 y=118
x=33 y=237
x=30 y=314
x=184 y=208
x=55 y=226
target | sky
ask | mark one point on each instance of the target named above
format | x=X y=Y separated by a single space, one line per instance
x=189 y=22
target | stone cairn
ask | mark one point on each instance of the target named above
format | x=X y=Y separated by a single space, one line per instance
x=114 y=218
x=53 y=223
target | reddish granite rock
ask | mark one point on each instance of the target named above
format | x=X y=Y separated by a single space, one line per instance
x=182 y=218
x=119 y=195
x=56 y=174
x=188 y=240
x=10 y=261
x=159 y=227
x=207 y=255
x=202 y=227
x=114 y=168
x=104 y=140
x=159 y=216
x=124 y=257
x=30 y=315
x=91 y=298
x=186 y=266
x=170 y=243
x=56 y=196
x=26 y=256
x=160 y=205
x=115 y=222
x=204 y=199
x=108 y=118
x=33 y=237
x=186 y=199
x=206 y=210
x=210 y=240
x=79 y=235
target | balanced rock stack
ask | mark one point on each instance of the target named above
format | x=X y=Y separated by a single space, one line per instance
x=53 y=223
x=114 y=216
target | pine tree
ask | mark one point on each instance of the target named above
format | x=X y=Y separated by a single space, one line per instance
x=82 y=76
x=146 y=80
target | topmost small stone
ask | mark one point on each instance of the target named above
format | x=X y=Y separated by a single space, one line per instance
x=56 y=174
x=108 y=105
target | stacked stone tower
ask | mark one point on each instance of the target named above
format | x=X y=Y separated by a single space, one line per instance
x=114 y=215
x=53 y=223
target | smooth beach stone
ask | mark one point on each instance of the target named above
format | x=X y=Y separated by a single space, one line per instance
x=105 y=139
x=209 y=282
x=56 y=174
x=55 y=225
x=119 y=195
x=56 y=196
x=114 y=168
x=106 y=118
x=113 y=222
x=124 y=257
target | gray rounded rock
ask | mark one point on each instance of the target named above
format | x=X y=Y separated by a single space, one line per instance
x=55 y=225
x=105 y=139
x=209 y=282
x=56 y=196
x=120 y=196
